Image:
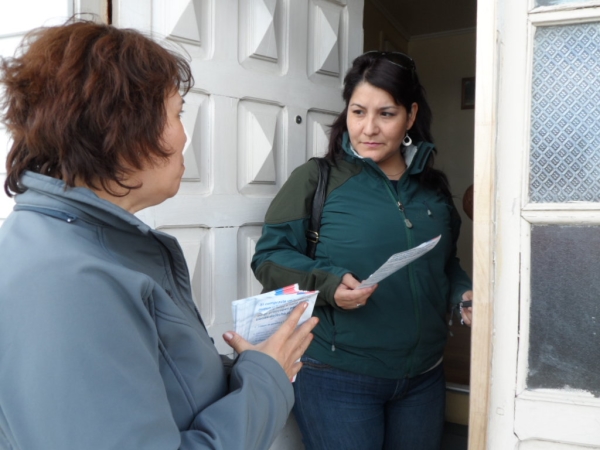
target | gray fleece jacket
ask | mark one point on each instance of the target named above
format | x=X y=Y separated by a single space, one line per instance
x=101 y=346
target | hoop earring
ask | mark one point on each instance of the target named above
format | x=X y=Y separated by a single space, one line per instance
x=407 y=141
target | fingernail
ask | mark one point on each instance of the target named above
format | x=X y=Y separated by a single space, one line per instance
x=305 y=305
x=228 y=336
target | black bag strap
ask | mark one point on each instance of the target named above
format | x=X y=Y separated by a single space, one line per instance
x=312 y=234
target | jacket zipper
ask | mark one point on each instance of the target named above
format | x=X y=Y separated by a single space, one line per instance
x=411 y=275
x=180 y=296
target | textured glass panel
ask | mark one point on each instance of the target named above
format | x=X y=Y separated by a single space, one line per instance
x=564 y=335
x=565 y=115
x=558 y=2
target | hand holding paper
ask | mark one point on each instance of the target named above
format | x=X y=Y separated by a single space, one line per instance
x=277 y=323
x=256 y=318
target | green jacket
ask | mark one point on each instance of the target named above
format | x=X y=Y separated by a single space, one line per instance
x=402 y=329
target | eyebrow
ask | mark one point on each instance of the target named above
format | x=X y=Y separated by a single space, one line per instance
x=383 y=107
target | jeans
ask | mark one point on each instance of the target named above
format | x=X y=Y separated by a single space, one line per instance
x=340 y=410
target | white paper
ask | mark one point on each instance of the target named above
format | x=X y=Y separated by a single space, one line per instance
x=397 y=261
x=256 y=318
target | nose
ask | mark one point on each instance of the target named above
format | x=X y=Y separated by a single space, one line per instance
x=371 y=127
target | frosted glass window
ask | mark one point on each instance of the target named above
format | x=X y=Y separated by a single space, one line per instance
x=565 y=115
x=564 y=335
x=558 y=2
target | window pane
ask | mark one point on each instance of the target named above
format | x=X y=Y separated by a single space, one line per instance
x=565 y=131
x=565 y=308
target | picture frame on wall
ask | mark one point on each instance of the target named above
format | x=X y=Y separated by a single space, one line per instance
x=467 y=98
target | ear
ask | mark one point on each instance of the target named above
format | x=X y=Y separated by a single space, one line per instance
x=412 y=115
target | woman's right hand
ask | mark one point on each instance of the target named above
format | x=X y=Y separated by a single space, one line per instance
x=286 y=345
x=346 y=295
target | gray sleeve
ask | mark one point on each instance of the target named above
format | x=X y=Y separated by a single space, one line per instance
x=256 y=409
x=79 y=364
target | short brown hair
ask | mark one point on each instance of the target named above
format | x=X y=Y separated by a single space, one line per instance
x=83 y=101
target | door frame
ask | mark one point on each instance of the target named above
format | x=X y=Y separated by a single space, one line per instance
x=483 y=229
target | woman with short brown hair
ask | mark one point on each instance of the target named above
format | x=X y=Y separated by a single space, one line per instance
x=101 y=345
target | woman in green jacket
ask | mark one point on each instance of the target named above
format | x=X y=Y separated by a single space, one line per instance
x=372 y=377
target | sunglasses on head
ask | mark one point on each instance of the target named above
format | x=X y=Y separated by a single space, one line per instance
x=397 y=58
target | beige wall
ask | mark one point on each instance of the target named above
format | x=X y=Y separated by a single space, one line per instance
x=378 y=28
x=442 y=61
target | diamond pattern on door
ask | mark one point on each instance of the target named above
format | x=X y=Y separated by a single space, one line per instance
x=263 y=32
x=260 y=140
x=184 y=18
x=197 y=250
x=325 y=30
x=187 y=22
x=247 y=238
x=318 y=127
x=195 y=121
x=261 y=29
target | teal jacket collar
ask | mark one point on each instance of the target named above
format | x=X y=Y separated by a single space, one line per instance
x=416 y=164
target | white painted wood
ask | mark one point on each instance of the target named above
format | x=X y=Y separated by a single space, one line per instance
x=545 y=445
x=268 y=82
x=566 y=7
x=511 y=153
x=564 y=417
x=319 y=125
x=260 y=145
x=548 y=419
x=563 y=217
x=98 y=8
x=524 y=308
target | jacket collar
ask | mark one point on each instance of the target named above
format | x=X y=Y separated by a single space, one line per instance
x=416 y=156
x=52 y=193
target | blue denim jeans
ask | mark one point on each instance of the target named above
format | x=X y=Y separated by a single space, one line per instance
x=339 y=410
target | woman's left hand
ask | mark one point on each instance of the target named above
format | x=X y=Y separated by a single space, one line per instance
x=286 y=345
x=467 y=313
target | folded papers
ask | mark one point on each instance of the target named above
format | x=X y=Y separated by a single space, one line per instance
x=256 y=318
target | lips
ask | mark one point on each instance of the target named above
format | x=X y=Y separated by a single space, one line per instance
x=372 y=144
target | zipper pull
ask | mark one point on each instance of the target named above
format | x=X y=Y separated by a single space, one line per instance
x=407 y=222
x=429 y=213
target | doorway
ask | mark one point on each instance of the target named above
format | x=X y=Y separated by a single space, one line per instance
x=441 y=36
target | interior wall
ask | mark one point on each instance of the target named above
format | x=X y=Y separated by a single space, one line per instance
x=442 y=62
x=380 y=33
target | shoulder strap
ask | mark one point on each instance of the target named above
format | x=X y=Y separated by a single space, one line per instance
x=312 y=234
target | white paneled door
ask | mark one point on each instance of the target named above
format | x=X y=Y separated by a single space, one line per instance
x=268 y=82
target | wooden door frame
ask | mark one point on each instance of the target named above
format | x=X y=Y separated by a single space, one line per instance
x=483 y=229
